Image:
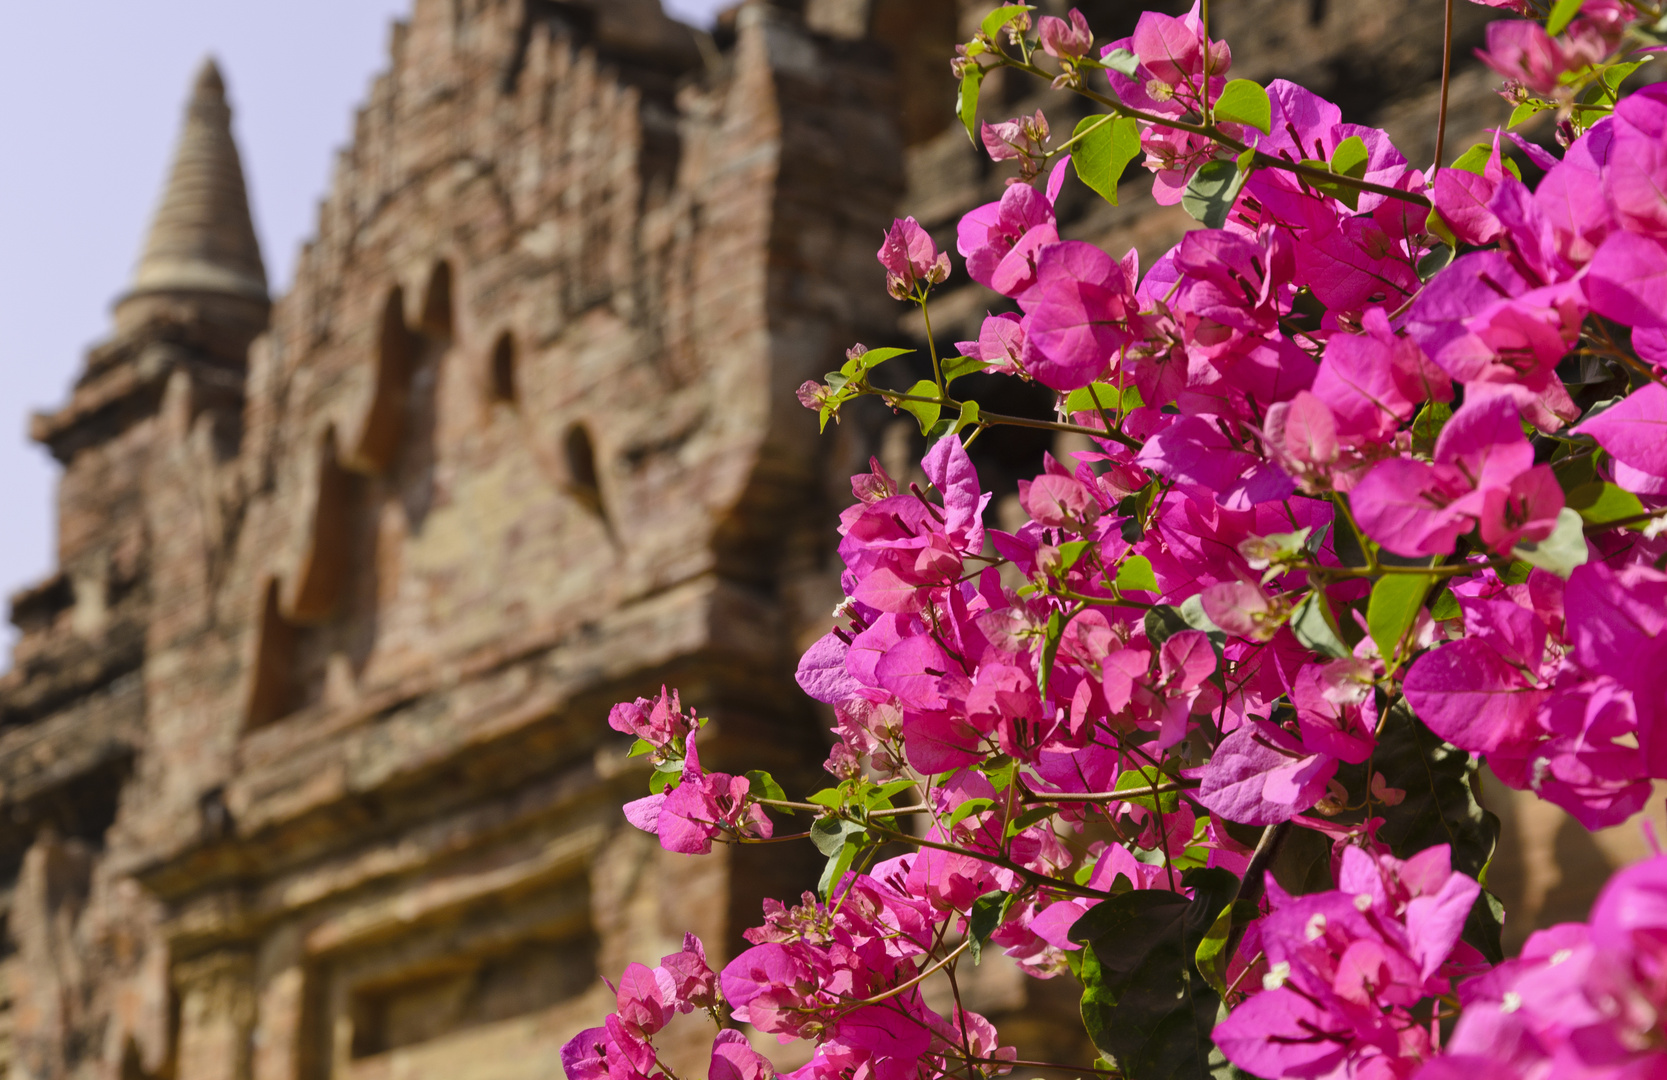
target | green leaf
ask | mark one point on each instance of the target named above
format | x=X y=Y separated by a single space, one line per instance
x=1245 y=102
x=1485 y=925
x=1440 y=805
x=1144 y=1003
x=870 y=360
x=1029 y=818
x=1192 y=610
x=1050 y=648
x=1601 y=502
x=1427 y=425
x=641 y=747
x=835 y=869
x=1435 y=260
x=1000 y=17
x=1102 y=396
x=880 y=798
x=661 y=780
x=1615 y=74
x=1071 y=553
x=1136 y=574
x=831 y=834
x=970 y=83
x=968 y=418
x=926 y=412
x=1348 y=160
x=1315 y=626
x=829 y=797
x=1560 y=552
x=1162 y=622
x=1437 y=226
x=1350 y=157
x=1211 y=193
x=1148 y=776
x=1122 y=61
x=1211 y=963
x=1562 y=13
x=966 y=810
x=763 y=786
x=1104 y=149
x=1474 y=160
x=957 y=366
x=1526 y=110
x=1445 y=606
x=988 y=913
x=1394 y=607
x=1000 y=772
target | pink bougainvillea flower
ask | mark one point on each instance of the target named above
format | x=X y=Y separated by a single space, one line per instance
x=1521 y=50
x=1065 y=39
x=1002 y=240
x=701 y=808
x=1374 y=381
x=1483 y=477
x=658 y=721
x=1077 y=314
x=910 y=259
x=1635 y=173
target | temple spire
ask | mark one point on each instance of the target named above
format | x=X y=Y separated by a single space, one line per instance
x=202 y=239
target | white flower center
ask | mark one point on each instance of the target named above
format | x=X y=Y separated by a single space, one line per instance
x=1363 y=902
x=1512 y=1002
x=1316 y=926
x=1276 y=976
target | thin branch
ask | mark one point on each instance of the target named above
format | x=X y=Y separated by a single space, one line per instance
x=1264 y=160
x=1446 y=80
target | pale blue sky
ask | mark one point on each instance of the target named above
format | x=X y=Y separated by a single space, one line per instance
x=91 y=93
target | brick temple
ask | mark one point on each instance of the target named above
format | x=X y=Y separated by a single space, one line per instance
x=304 y=764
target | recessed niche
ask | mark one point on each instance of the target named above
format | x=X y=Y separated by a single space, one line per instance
x=583 y=481
x=271 y=689
x=501 y=373
x=322 y=574
x=437 y=321
x=471 y=991
x=384 y=422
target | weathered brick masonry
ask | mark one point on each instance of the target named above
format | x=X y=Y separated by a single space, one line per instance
x=304 y=771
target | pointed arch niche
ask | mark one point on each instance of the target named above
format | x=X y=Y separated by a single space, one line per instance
x=377 y=441
x=584 y=481
x=439 y=312
x=500 y=371
x=321 y=577
x=272 y=680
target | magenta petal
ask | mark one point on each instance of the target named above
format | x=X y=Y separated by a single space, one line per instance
x=1281 y=1033
x=645 y=813
x=1434 y=923
x=1462 y=197
x=733 y=1058
x=1391 y=505
x=1248 y=762
x=1627 y=280
x=822 y=672
x=1472 y=697
x=1635 y=429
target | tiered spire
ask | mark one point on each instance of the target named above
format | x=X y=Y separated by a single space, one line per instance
x=202 y=239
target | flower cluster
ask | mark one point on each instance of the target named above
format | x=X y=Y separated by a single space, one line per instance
x=1582 y=1000
x=1342 y=971
x=1375 y=492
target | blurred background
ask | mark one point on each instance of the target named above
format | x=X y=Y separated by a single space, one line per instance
x=304 y=763
x=92 y=93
